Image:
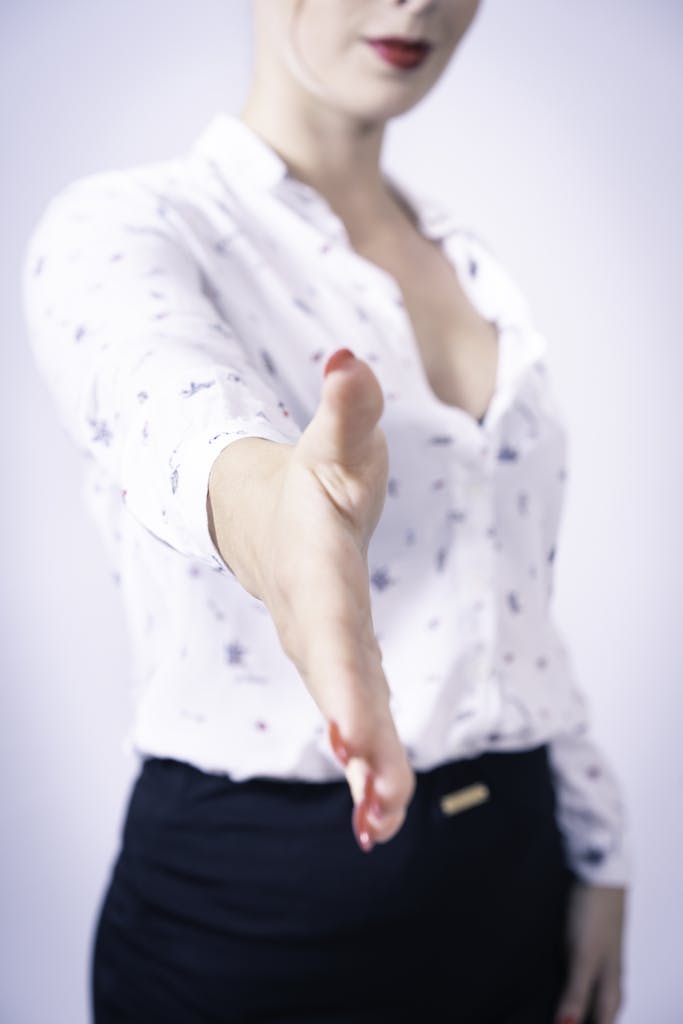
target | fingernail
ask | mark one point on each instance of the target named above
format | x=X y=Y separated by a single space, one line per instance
x=361 y=826
x=337 y=743
x=337 y=359
x=361 y=830
x=568 y=1019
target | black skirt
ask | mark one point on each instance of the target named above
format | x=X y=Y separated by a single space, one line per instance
x=251 y=901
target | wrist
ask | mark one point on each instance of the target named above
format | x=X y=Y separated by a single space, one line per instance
x=244 y=484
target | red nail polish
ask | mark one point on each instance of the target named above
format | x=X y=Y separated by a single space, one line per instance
x=337 y=359
x=336 y=742
x=568 y=1019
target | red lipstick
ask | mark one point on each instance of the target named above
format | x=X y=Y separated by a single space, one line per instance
x=401 y=53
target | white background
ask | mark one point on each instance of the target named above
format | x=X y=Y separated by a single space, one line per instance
x=556 y=134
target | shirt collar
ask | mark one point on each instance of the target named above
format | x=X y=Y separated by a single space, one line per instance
x=243 y=160
x=240 y=155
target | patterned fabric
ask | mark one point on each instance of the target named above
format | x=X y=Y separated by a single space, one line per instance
x=177 y=306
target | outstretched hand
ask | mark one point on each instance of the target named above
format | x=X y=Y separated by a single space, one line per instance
x=315 y=584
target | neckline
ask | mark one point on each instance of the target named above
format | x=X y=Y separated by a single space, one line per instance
x=453 y=249
x=242 y=156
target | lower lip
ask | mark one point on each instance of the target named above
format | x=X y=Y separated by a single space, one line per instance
x=400 y=56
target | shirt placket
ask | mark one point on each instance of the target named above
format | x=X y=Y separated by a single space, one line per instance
x=474 y=490
x=471 y=481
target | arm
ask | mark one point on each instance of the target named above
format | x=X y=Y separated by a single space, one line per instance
x=148 y=379
x=591 y=817
x=590 y=813
x=154 y=385
x=243 y=486
x=590 y=810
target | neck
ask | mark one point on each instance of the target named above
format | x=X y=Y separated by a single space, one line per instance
x=327 y=150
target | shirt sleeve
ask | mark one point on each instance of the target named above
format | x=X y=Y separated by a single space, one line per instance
x=148 y=378
x=590 y=811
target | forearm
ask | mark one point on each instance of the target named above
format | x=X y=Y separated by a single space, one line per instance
x=243 y=488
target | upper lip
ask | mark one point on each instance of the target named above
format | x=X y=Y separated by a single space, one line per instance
x=401 y=40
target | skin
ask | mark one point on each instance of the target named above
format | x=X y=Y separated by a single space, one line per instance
x=321 y=98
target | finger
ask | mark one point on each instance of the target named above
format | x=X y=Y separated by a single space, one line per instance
x=376 y=817
x=351 y=404
x=609 y=995
x=371 y=815
x=576 y=998
x=381 y=823
x=356 y=774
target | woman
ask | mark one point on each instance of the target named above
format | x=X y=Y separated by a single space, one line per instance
x=319 y=604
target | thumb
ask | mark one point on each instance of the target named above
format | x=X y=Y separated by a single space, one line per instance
x=351 y=403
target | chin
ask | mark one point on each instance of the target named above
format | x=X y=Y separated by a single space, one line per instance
x=384 y=106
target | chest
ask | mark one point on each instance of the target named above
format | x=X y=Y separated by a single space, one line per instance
x=457 y=346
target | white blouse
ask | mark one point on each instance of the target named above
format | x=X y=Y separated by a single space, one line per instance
x=175 y=307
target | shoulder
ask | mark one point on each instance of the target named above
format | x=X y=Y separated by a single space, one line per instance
x=108 y=194
x=177 y=200
x=97 y=210
x=83 y=209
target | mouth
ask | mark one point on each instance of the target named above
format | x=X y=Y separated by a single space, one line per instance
x=401 y=53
